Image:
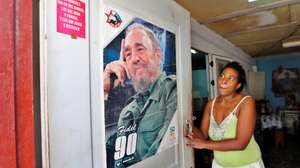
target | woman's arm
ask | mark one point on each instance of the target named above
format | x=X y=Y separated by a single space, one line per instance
x=245 y=128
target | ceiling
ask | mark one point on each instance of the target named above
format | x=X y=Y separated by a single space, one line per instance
x=257 y=27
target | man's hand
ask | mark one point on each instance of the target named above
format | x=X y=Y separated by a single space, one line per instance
x=119 y=69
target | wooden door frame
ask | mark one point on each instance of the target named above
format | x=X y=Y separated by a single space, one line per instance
x=17 y=134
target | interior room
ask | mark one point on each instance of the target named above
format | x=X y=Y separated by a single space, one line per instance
x=267 y=31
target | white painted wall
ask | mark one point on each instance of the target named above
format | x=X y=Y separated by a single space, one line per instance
x=71 y=81
x=65 y=94
x=208 y=41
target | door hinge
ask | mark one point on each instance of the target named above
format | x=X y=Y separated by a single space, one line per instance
x=212 y=83
x=211 y=63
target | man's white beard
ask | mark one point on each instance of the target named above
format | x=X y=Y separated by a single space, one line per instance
x=142 y=85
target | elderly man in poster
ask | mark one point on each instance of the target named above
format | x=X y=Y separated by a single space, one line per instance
x=144 y=121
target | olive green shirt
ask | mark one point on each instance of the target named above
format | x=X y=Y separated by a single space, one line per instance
x=148 y=115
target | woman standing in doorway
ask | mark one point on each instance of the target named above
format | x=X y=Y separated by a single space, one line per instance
x=228 y=123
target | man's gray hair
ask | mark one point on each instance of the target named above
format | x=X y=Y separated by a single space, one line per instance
x=149 y=32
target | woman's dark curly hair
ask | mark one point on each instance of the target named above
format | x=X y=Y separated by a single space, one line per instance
x=240 y=70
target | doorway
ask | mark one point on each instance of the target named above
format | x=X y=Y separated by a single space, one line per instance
x=201 y=94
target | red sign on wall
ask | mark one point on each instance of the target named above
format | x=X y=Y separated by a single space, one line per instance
x=71 y=17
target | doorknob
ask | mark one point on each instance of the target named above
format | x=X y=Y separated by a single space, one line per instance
x=212 y=83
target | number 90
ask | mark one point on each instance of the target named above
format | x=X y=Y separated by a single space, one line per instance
x=121 y=146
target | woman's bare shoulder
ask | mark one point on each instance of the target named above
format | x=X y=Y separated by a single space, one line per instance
x=248 y=101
